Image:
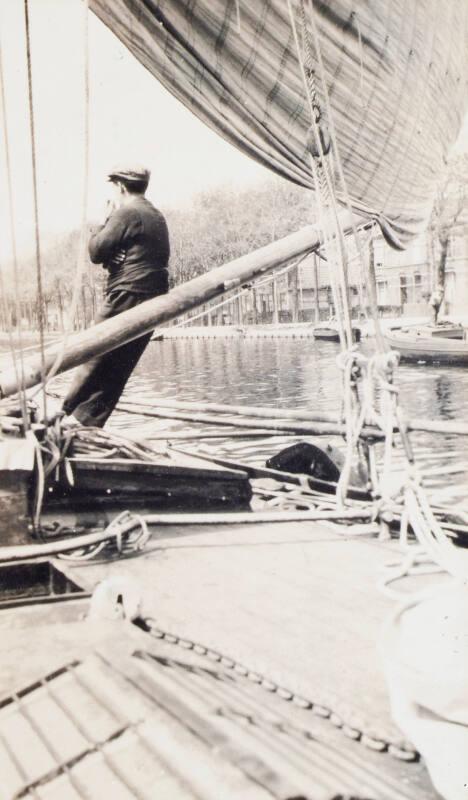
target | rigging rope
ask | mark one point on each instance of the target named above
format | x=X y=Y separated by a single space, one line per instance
x=82 y=246
x=18 y=370
x=323 y=157
x=81 y=256
x=256 y=285
x=346 y=197
x=323 y=151
x=320 y=158
x=375 y=373
x=40 y=296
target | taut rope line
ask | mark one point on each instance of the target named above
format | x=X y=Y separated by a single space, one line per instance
x=320 y=153
x=81 y=260
x=81 y=257
x=333 y=136
x=20 y=371
x=242 y=293
x=40 y=296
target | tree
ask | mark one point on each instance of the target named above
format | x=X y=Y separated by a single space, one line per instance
x=223 y=224
x=219 y=225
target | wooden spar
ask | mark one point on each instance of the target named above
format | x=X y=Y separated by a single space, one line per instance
x=420 y=425
x=190 y=436
x=436 y=426
x=246 y=517
x=131 y=324
x=262 y=412
x=281 y=427
x=255 y=471
x=12 y=553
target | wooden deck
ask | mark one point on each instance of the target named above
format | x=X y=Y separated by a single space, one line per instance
x=296 y=603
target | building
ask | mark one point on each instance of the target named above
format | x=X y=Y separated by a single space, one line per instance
x=404 y=282
x=405 y=279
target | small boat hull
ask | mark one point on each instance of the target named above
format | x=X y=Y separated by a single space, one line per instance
x=439 y=350
x=330 y=334
x=327 y=334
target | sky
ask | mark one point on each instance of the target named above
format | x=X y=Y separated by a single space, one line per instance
x=132 y=118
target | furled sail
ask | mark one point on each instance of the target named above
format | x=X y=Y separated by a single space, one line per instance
x=396 y=75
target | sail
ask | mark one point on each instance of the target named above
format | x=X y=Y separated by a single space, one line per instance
x=395 y=74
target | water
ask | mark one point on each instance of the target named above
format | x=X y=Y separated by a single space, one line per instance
x=296 y=374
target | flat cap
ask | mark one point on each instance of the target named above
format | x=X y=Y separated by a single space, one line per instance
x=133 y=172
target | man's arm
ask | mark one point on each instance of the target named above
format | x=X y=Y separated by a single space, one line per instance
x=121 y=225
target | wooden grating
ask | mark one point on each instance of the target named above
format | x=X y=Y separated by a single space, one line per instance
x=147 y=726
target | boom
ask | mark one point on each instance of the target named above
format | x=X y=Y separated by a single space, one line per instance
x=137 y=321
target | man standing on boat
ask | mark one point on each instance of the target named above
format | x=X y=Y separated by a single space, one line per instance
x=435 y=301
x=133 y=246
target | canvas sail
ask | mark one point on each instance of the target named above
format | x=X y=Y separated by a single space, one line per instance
x=396 y=74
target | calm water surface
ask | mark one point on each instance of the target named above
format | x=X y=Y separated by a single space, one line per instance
x=291 y=373
x=288 y=373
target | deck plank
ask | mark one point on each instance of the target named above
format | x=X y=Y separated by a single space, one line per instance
x=296 y=602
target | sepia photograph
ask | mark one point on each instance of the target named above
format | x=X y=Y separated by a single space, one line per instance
x=233 y=400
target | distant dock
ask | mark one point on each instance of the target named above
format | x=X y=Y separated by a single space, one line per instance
x=299 y=330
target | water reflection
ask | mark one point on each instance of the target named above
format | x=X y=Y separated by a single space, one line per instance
x=294 y=373
x=289 y=373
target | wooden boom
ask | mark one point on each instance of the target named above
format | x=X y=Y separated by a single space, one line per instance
x=131 y=324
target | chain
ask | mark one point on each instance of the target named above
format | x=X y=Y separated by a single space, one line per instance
x=351 y=731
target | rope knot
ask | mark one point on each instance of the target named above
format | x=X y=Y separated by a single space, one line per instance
x=126 y=538
x=351 y=358
x=318 y=139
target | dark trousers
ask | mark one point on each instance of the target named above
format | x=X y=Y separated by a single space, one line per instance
x=97 y=385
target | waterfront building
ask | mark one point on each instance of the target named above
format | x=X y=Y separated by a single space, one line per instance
x=404 y=280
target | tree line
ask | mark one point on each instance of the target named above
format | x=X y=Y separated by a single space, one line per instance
x=218 y=226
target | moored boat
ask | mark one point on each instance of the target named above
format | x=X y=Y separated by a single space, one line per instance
x=444 y=344
x=329 y=333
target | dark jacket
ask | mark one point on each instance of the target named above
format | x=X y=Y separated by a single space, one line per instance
x=133 y=246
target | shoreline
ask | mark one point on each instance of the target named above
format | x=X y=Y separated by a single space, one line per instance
x=299 y=330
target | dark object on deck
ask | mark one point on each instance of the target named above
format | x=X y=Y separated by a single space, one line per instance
x=321 y=464
x=181 y=483
x=308 y=459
